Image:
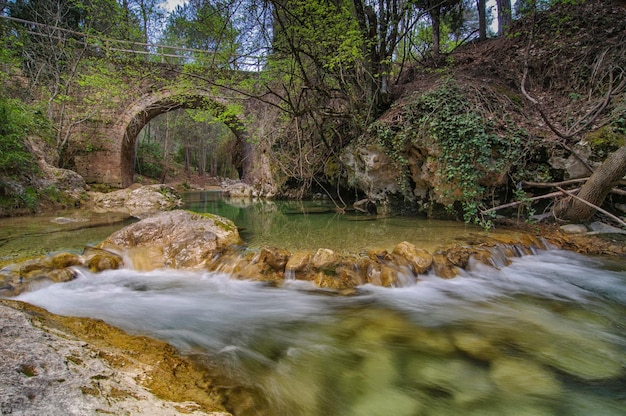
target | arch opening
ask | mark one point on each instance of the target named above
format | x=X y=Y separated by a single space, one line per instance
x=185 y=146
x=150 y=107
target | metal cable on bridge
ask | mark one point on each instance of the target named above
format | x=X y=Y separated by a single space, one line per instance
x=144 y=48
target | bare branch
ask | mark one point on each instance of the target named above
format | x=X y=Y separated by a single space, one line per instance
x=597 y=208
x=516 y=203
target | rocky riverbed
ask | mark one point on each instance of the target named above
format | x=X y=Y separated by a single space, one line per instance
x=56 y=365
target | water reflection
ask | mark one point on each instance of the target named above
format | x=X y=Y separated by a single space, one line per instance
x=544 y=336
x=309 y=225
x=68 y=230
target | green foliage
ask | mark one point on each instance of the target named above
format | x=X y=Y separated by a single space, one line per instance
x=29 y=198
x=17 y=121
x=526 y=204
x=149 y=160
x=468 y=152
x=203 y=26
x=607 y=139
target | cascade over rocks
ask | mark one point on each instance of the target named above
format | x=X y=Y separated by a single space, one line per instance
x=186 y=240
x=17 y=278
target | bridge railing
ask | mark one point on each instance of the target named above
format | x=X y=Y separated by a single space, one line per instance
x=115 y=48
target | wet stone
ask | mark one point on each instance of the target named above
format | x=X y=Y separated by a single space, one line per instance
x=420 y=259
x=524 y=377
x=324 y=258
x=276 y=258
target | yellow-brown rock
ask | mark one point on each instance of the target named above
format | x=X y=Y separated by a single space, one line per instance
x=419 y=259
x=443 y=267
x=63 y=260
x=324 y=259
x=276 y=258
x=188 y=240
x=388 y=276
x=104 y=261
x=297 y=266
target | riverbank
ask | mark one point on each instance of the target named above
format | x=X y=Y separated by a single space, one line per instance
x=56 y=365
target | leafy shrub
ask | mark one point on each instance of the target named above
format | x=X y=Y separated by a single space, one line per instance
x=468 y=149
x=17 y=121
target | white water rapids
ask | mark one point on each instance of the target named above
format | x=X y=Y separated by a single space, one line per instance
x=543 y=336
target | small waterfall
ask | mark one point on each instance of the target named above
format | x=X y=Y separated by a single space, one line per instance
x=533 y=336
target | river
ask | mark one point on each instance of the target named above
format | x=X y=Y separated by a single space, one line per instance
x=542 y=336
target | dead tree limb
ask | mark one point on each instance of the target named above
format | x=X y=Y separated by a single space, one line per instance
x=595 y=189
x=597 y=208
x=553 y=184
x=531 y=184
x=516 y=203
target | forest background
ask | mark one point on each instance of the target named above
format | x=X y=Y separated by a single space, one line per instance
x=471 y=106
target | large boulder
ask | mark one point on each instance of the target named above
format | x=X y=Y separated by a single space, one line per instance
x=176 y=239
x=139 y=202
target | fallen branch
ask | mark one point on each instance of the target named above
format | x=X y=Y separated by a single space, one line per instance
x=516 y=203
x=530 y=184
x=618 y=191
x=553 y=184
x=597 y=208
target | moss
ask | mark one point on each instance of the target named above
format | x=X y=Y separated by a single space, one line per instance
x=221 y=222
x=606 y=140
x=28 y=370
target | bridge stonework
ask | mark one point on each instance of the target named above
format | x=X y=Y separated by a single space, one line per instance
x=103 y=146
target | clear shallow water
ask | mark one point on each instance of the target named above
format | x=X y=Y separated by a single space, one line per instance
x=309 y=225
x=302 y=225
x=545 y=336
x=68 y=230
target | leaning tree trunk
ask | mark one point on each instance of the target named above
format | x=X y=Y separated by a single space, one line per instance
x=595 y=189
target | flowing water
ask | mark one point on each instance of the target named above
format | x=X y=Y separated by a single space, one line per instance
x=543 y=336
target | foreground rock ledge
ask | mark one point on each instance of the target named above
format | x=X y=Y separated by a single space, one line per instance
x=53 y=365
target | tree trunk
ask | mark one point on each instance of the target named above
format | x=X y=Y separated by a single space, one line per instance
x=435 y=18
x=482 y=19
x=595 y=189
x=504 y=15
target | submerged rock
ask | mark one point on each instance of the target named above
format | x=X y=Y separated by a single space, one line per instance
x=519 y=376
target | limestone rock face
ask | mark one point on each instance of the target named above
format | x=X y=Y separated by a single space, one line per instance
x=372 y=171
x=572 y=165
x=139 y=202
x=180 y=239
x=259 y=189
x=45 y=370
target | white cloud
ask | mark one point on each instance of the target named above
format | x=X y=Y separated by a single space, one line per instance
x=170 y=5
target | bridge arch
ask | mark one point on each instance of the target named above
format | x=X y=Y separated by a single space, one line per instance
x=136 y=115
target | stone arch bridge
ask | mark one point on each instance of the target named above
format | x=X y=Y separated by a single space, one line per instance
x=102 y=145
